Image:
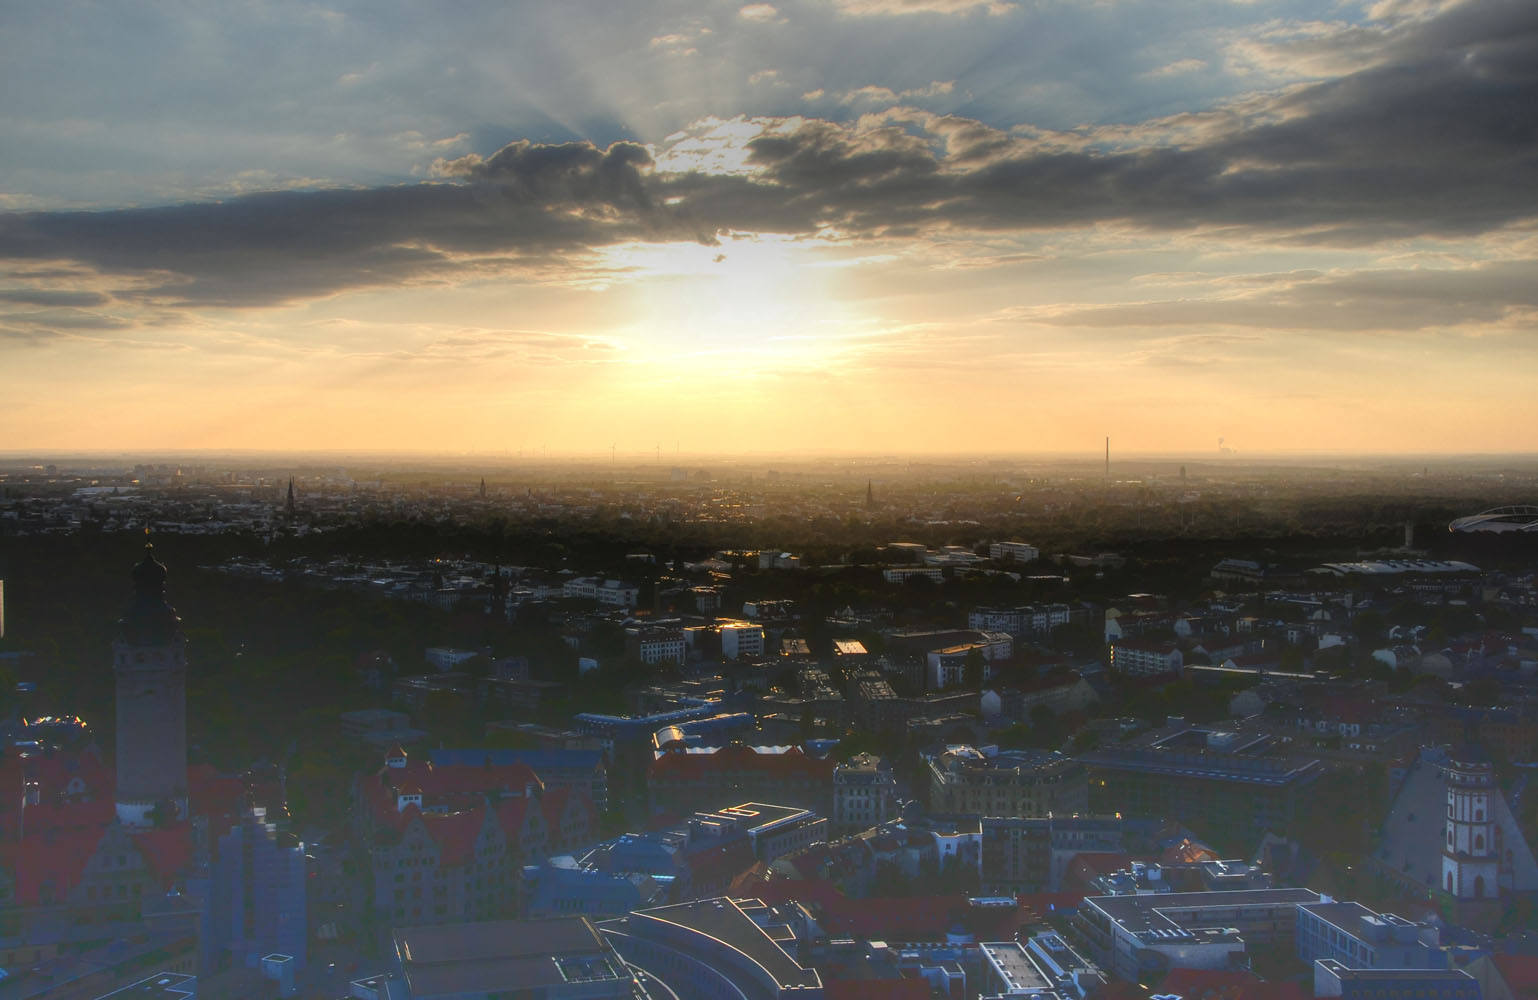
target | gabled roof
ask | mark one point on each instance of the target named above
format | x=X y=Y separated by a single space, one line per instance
x=168 y=852
x=1520 y=973
x=455 y=834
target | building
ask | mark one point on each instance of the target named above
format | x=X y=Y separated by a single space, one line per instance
x=966 y=781
x=654 y=644
x=150 y=665
x=1023 y=854
x=713 y=948
x=1223 y=795
x=1058 y=692
x=583 y=770
x=448 y=842
x=773 y=831
x=1521 y=518
x=608 y=593
x=1140 y=938
x=1450 y=835
x=255 y=897
x=380 y=728
x=947 y=667
x=1034 y=620
x=742 y=640
x=563 y=958
x=1145 y=658
x=1355 y=936
x=683 y=780
x=1018 y=552
x=1471 y=860
x=864 y=794
x=563 y=887
x=1336 y=979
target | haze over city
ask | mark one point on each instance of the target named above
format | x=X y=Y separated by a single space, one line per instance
x=853 y=225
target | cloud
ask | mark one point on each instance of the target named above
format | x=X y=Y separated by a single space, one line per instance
x=1180 y=67
x=886 y=96
x=761 y=13
x=53 y=297
x=1386 y=299
x=1436 y=137
x=899 y=7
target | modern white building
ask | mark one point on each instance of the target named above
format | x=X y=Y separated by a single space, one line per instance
x=652 y=644
x=741 y=640
x=1358 y=938
x=1030 y=619
x=1143 y=658
x=1018 y=552
x=609 y=593
x=1135 y=936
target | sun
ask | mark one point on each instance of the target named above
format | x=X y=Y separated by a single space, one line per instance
x=750 y=303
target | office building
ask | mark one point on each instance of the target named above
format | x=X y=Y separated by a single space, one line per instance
x=256 y=897
x=966 y=781
x=864 y=794
x=1223 y=795
x=1138 y=937
x=563 y=958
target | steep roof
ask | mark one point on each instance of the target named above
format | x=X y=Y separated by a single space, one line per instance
x=793 y=762
x=455 y=834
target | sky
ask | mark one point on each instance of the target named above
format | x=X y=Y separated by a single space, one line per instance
x=824 y=225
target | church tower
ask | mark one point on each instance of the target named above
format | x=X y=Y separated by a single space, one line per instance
x=1470 y=858
x=150 y=663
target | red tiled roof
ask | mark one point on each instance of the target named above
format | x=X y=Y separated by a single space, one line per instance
x=51 y=817
x=1519 y=971
x=58 y=860
x=514 y=815
x=455 y=834
x=168 y=852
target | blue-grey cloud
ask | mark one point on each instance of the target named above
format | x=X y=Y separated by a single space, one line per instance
x=1439 y=136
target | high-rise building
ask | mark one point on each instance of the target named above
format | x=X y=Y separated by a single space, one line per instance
x=150 y=663
x=256 y=896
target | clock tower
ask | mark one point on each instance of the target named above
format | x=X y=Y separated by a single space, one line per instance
x=150 y=664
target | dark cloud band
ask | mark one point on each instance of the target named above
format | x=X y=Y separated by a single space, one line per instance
x=1438 y=136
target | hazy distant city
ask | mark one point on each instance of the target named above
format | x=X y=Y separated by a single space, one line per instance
x=879 y=726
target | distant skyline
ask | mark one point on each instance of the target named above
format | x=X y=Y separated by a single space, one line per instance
x=854 y=226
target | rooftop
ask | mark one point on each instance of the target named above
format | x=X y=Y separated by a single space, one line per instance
x=1011 y=963
x=161 y=986
x=1213 y=767
x=503 y=954
x=1141 y=914
x=723 y=920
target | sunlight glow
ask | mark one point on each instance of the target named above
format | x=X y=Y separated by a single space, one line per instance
x=752 y=305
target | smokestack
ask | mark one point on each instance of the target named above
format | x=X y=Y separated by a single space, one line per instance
x=1108 y=456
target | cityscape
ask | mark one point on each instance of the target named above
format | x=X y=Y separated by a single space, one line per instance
x=863 y=727
x=769 y=500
